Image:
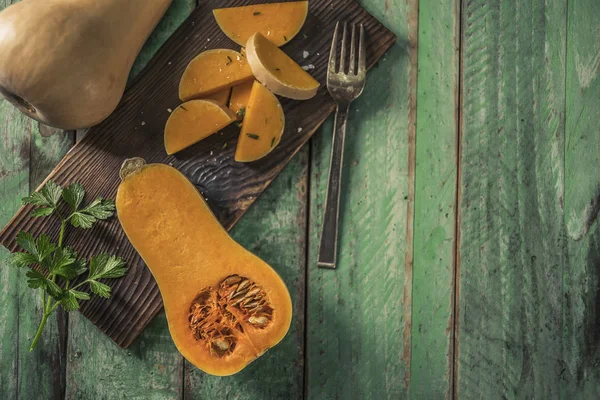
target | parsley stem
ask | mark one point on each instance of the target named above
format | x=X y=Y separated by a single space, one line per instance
x=38 y=334
x=63 y=225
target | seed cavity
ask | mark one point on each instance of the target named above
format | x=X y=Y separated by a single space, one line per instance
x=217 y=315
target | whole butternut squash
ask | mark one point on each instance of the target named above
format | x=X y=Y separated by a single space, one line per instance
x=225 y=306
x=65 y=62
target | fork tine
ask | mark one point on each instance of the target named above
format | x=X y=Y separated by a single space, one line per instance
x=343 y=52
x=362 y=52
x=352 y=69
x=333 y=54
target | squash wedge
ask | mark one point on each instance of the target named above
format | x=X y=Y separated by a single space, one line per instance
x=278 y=72
x=263 y=125
x=278 y=22
x=213 y=71
x=193 y=121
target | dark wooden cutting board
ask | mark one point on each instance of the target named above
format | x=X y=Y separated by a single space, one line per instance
x=135 y=129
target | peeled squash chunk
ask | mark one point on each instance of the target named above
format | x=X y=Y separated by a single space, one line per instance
x=225 y=306
x=278 y=72
x=278 y=22
x=193 y=121
x=263 y=125
x=213 y=71
x=240 y=95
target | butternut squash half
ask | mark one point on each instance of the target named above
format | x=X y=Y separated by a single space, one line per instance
x=278 y=22
x=225 y=306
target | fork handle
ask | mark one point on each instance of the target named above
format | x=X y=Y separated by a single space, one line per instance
x=329 y=234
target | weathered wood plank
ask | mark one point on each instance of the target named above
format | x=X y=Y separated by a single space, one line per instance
x=14 y=184
x=580 y=376
x=24 y=155
x=435 y=200
x=512 y=248
x=135 y=129
x=358 y=326
x=275 y=230
x=151 y=368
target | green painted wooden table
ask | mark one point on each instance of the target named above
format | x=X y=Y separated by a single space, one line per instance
x=470 y=256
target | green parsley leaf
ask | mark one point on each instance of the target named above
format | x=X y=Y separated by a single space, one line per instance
x=42 y=212
x=37 y=199
x=48 y=196
x=241 y=113
x=73 y=195
x=99 y=209
x=100 y=289
x=21 y=260
x=253 y=136
x=105 y=266
x=80 y=295
x=63 y=263
x=38 y=280
x=40 y=248
x=69 y=301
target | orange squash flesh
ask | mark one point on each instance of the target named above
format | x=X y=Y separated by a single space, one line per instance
x=213 y=71
x=193 y=121
x=221 y=97
x=188 y=252
x=279 y=22
x=240 y=95
x=277 y=71
x=263 y=125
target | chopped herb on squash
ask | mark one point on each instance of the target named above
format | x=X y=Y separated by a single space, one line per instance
x=253 y=136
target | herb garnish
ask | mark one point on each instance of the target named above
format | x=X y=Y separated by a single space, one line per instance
x=285 y=38
x=59 y=265
x=229 y=60
x=256 y=13
x=185 y=109
x=253 y=136
x=241 y=113
x=272 y=142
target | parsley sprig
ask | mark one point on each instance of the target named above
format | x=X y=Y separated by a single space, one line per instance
x=59 y=265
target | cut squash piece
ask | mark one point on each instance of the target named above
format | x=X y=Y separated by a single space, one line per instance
x=193 y=121
x=240 y=95
x=278 y=22
x=213 y=71
x=278 y=72
x=221 y=97
x=263 y=125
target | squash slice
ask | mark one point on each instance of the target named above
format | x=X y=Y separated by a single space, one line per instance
x=213 y=71
x=221 y=97
x=278 y=72
x=263 y=125
x=193 y=121
x=278 y=22
x=225 y=306
x=240 y=95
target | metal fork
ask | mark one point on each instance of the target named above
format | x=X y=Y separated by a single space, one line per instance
x=345 y=82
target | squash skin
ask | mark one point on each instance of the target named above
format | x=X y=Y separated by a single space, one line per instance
x=187 y=249
x=65 y=63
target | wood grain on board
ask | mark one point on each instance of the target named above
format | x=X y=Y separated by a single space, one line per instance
x=135 y=129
